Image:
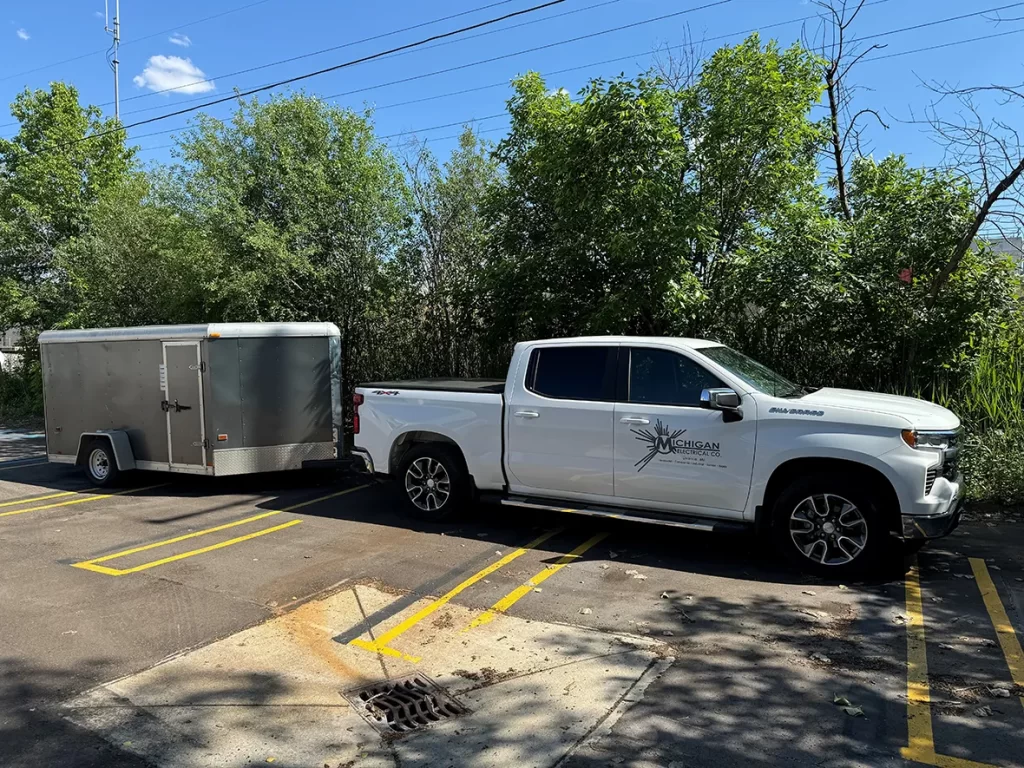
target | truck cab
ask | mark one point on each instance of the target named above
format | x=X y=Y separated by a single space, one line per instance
x=676 y=431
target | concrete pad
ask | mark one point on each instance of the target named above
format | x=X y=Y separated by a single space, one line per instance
x=274 y=691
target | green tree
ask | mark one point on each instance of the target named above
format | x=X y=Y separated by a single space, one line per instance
x=140 y=263
x=623 y=210
x=448 y=250
x=305 y=210
x=53 y=173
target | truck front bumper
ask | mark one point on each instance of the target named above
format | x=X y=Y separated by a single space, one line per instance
x=944 y=506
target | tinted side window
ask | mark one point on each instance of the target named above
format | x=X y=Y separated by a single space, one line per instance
x=660 y=377
x=571 y=373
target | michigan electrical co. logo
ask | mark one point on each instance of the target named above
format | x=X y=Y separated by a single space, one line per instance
x=663 y=442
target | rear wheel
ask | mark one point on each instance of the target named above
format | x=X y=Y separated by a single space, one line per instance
x=831 y=525
x=434 y=482
x=100 y=465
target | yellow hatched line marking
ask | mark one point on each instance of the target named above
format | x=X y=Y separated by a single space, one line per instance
x=379 y=645
x=920 y=735
x=90 y=565
x=22 y=466
x=93 y=564
x=38 y=498
x=1000 y=621
x=98 y=497
x=523 y=590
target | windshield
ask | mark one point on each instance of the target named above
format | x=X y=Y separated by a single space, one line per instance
x=758 y=376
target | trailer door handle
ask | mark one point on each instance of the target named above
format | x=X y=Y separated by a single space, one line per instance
x=165 y=406
x=527 y=414
x=180 y=408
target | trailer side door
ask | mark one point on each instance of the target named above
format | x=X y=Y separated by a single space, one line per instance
x=183 y=404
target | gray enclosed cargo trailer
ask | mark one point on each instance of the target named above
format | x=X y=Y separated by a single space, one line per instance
x=215 y=399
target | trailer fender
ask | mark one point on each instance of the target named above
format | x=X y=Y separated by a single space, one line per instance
x=123 y=454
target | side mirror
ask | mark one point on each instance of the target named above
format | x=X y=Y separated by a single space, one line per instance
x=722 y=399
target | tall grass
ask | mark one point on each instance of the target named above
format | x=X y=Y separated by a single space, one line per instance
x=989 y=399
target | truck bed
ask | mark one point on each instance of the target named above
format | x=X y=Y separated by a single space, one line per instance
x=493 y=386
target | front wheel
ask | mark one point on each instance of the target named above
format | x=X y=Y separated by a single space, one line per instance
x=831 y=525
x=434 y=482
x=100 y=465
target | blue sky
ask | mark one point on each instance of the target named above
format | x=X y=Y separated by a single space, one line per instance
x=35 y=35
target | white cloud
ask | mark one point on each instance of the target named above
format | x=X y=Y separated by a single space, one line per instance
x=179 y=39
x=173 y=73
x=23 y=34
x=99 y=14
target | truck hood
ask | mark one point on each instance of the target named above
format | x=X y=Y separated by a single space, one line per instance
x=920 y=413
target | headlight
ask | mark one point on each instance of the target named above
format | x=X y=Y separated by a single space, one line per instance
x=939 y=441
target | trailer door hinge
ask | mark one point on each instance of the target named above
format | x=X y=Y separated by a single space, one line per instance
x=203 y=444
x=198 y=367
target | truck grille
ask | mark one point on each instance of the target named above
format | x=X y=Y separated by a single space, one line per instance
x=929 y=479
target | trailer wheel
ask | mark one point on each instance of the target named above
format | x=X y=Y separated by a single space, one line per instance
x=434 y=482
x=100 y=465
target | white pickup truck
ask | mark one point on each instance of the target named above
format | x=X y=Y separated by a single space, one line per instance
x=675 y=431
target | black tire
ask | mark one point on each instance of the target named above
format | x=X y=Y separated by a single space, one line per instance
x=432 y=463
x=854 y=539
x=99 y=464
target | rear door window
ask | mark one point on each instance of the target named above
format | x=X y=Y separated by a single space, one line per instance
x=573 y=373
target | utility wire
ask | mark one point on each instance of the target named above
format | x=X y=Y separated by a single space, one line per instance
x=942 y=45
x=502 y=57
x=134 y=40
x=570 y=69
x=424 y=48
x=381 y=36
x=308 y=75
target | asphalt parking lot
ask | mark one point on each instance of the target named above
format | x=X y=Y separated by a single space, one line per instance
x=192 y=621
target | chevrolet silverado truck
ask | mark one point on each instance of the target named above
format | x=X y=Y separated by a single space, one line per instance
x=674 y=431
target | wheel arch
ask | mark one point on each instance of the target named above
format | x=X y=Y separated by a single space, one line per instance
x=118 y=441
x=408 y=440
x=793 y=469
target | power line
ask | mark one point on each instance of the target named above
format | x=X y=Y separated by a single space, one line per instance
x=334 y=68
x=134 y=40
x=507 y=55
x=942 y=45
x=584 y=66
x=445 y=125
x=322 y=50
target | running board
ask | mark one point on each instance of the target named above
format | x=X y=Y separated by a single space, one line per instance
x=621 y=513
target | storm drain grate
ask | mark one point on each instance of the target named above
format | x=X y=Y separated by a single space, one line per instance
x=405 y=704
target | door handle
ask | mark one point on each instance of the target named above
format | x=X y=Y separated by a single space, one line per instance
x=634 y=420
x=527 y=414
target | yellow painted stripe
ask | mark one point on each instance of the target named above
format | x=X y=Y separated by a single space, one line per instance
x=335 y=495
x=942 y=761
x=80 y=501
x=91 y=565
x=366 y=645
x=38 y=498
x=183 y=537
x=94 y=563
x=522 y=591
x=22 y=466
x=920 y=735
x=424 y=612
x=1000 y=620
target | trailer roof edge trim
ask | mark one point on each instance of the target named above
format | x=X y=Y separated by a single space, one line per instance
x=187 y=332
